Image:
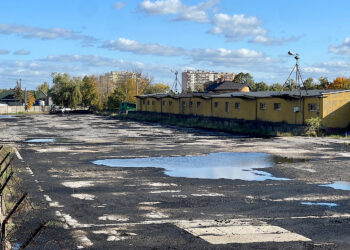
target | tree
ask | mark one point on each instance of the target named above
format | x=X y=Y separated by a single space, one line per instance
x=114 y=99
x=18 y=92
x=339 y=83
x=276 y=87
x=43 y=88
x=309 y=83
x=30 y=99
x=156 y=88
x=323 y=83
x=244 y=78
x=261 y=86
x=290 y=85
x=89 y=91
x=65 y=90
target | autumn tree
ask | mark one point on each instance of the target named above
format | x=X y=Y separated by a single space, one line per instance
x=43 y=88
x=339 y=83
x=89 y=91
x=323 y=83
x=309 y=84
x=30 y=100
x=244 y=78
x=115 y=98
x=157 y=88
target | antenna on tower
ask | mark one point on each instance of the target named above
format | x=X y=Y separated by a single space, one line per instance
x=176 y=83
x=298 y=76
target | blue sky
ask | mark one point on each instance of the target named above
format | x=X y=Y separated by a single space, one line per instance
x=93 y=37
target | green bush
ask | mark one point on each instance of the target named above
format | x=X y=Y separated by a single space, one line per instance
x=313 y=126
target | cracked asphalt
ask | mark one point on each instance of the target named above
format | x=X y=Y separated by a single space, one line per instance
x=98 y=207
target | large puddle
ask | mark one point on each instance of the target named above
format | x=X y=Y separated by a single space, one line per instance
x=213 y=166
x=41 y=140
x=342 y=185
x=6 y=116
x=327 y=204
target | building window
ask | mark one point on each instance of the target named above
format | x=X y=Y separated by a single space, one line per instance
x=227 y=106
x=237 y=105
x=277 y=106
x=262 y=106
x=216 y=104
x=198 y=104
x=312 y=107
x=183 y=104
x=170 y=102
x=163 y=103
x=143 y=101
x=153 y=102
x=191 y=103
x=147 y=102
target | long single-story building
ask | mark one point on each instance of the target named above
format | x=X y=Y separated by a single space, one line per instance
x=291 y=107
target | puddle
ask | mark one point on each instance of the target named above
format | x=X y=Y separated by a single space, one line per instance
x=6 y=116
x=213 y=166
x=342 y=185
x=328 y=204
x=49 y=140
x=41 y=140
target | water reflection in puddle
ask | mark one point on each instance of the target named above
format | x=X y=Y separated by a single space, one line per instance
x=328 y=204
x=6 y=116
x=41 y=140
x=213 y=166
x=342 y=185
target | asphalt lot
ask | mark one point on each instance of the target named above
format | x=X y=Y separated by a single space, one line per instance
x=99 y=207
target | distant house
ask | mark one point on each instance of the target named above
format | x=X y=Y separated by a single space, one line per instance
x=227 y=87
x=8 y=97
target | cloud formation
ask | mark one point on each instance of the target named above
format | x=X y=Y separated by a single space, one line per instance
x=218 y=56
x=21 y=52
x=127 y=45
x=197 y=13
x=342 y=49
x=25 y=31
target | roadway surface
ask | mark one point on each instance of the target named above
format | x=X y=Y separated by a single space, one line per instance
x=98 y=207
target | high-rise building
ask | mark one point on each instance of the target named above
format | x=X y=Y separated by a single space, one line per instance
x=195 y=80
x=111 y=80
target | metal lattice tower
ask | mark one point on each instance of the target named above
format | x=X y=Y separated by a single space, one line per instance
x=298 y=76
x=176 y=83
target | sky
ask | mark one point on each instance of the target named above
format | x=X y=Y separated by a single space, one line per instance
x=84 y=37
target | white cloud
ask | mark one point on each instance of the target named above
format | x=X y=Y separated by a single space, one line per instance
x=119 y=5
x=45 y=34
x=4 y=52
x=220 y=57
x=342 y=49
x=21 y=52
x=236 y=27
x=127 y=45
x=269 y=41
x=182 y=12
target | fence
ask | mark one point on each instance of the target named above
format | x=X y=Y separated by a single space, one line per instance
x=21 y=109
x=16 y=208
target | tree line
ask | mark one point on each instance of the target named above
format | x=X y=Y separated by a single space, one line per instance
x=308 y=84
x=84 y=91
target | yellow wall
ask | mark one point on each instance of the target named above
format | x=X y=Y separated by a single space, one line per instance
x=245 y=89
x=246 y=109
x=284 y=114
x=170 y=105
x=336 y=110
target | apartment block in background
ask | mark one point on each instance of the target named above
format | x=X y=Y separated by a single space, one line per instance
x=111 y=80
x=195 y=80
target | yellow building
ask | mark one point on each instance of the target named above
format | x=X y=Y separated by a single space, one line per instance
x=291 y=107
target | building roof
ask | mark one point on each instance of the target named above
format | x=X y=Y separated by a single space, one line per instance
x=226 y=86
x=294 y=94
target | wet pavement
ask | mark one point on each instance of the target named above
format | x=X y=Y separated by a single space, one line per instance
x=133 y=205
